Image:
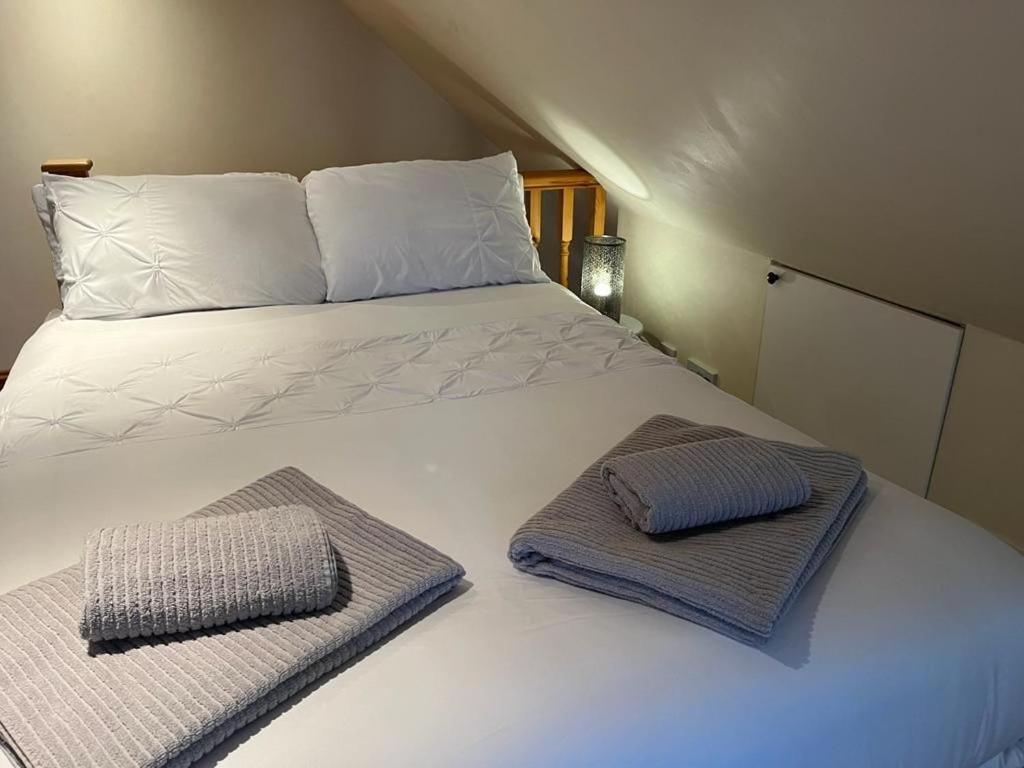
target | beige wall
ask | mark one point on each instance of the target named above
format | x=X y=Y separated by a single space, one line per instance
x=980 y=467
x=876 y=144
x=184 y=86
x=705 y=298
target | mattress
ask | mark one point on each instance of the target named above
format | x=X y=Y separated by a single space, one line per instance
x=456 y=416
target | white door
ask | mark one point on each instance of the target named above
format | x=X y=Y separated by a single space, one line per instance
x=857 y=373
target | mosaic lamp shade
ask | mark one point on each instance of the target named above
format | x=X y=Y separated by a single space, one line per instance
x=603 y=267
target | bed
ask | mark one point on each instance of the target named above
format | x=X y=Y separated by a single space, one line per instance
x=455 y=416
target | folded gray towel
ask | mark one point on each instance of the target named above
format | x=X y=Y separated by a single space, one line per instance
x=737 y=578
x=161 y=577
x=711 y=481
x=166 y=701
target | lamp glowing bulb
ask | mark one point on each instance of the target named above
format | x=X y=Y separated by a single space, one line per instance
x=601 y=273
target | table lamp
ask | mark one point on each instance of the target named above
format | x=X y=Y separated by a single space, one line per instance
x=603 y=267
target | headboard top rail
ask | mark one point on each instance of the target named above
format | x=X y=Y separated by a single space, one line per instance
x=68 y=166
x=573 y=178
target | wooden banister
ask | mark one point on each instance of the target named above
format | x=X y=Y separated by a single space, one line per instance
x=567 y=181
x=600 y=209
x=568 y=201
x=534 y=216
x=74 y=166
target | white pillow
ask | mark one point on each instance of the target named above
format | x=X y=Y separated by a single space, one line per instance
x=419 y=226
x=46 y=219
x=132 y=246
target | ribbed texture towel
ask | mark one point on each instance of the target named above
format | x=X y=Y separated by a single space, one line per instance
x=736 y=578
x=155 y=578
x=169 y=700
x=711 y=481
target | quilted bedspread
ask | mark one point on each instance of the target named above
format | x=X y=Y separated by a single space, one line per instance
x=144 y=391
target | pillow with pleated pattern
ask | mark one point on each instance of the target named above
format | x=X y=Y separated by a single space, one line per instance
x=132 y=246
x=423 y=225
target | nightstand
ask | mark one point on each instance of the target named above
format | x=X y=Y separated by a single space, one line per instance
x=631 y=324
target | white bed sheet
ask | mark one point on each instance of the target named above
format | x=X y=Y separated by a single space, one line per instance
x=907 y=649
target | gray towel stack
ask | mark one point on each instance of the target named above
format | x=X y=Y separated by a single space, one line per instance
x=161 y=577
x=737 y=578
x=710 y=481
x=166 y=701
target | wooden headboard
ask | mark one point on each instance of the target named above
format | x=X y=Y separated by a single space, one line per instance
x=536 y=184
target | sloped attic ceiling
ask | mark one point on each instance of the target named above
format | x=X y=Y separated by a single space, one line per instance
x=877 y=144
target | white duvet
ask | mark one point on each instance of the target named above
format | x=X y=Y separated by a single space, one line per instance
x=456 y=416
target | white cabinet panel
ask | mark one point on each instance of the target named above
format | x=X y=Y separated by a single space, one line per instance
x=857 y=373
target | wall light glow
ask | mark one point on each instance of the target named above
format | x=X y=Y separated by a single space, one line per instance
x=581 y=144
